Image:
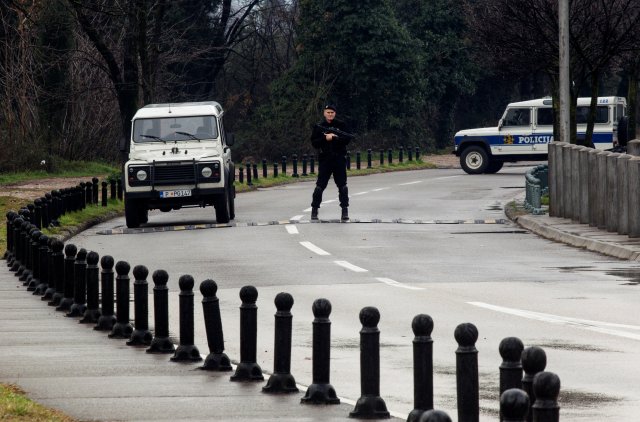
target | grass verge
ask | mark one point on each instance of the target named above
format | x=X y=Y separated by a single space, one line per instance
x=15 y=406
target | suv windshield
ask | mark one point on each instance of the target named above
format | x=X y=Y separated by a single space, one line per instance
x=175 y=129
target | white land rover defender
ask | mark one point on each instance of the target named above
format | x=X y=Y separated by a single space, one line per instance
x=526 y=127
x=179 y=156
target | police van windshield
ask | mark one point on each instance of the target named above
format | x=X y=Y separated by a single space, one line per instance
x=175 y=129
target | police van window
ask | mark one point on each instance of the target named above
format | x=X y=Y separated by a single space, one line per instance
x=517 y=117
x=545 y=116
x=582 y=114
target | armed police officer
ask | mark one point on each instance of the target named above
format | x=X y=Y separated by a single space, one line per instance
x=331 y=136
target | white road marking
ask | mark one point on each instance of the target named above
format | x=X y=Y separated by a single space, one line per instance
x=394 y=283
x=360 y=193
x=446 y=177
x=307 y=210
x=329 y=201
x=597 y=326
x=379 y=189
x=410 y=183
x=351 y=267
x=313 y=248
x=297 y=217
x=291 y=229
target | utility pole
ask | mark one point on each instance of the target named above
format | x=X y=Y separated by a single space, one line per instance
x=564 y=82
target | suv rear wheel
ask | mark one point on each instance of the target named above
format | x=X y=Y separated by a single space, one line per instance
x=474 y=160
x=222 y=207
x=494 y=167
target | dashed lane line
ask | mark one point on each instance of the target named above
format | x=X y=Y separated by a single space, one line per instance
x=410 y=183
x=291 y=229
x=350 y=266
x=394 y=283
x=313 y=248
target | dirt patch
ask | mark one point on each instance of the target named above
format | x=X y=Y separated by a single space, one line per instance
x=33 y=189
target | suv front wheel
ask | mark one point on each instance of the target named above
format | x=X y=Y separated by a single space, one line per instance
x=474 y=160
x=221 y=205
x=131 y=213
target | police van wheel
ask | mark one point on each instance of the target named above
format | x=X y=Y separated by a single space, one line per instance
x=474 y=160
x=494 y=167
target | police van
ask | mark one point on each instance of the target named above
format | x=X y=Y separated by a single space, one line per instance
x=526 y=127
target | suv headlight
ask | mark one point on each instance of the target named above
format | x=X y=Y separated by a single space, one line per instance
x=139 y=175
x=209 y=172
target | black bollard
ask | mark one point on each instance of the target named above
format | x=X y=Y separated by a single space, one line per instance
x=312 y=165
x=321 y=391
x=534 y=360
x=248 y=369
x=546 y=386
x=94 y=180
x=122 y=328
x=381 y=157
x=435 y=416
x=241 y=175
x=275 y=169
x=161 y=342
x=112 y=188
x=51 y=287
x=514 y=405
x=22 y=239
x=46 y=210
x=369 y=158
x=14 y=231
x=511 y=369
x=255 y=171
x=8 y=254
x=249 y=174
x=79 y=285
x=119 y=188
x=284 y=165
x=104 y=194
x=33 y=262
x=186 y=350
x=410 y=154
x=295 y=166
x=216 y=360
x=141 y=336
x=281 y=381
x=37 y=213
x=348 y=159
x=43 y=256
x=422 y=327
x=70 y=251
x=358 y=165
x=401 y=154
x=390 y=156
x=305 y=158
x=417 y=153
x=57 y=275
x=264 y=168
x=370 y=405
x=107 y=317
x=92 y=313
x=89 y=193
x=467 y=381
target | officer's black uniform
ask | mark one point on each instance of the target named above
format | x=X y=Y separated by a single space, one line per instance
x=332 y=160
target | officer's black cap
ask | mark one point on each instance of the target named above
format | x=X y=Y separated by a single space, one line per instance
x=330 y=107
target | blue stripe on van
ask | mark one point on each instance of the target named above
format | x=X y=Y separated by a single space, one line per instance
x=541 y=138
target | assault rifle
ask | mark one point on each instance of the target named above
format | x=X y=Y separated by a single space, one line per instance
x=340 y=133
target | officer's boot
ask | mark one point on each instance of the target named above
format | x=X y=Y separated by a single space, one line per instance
x=345 y=214
x=314 y=213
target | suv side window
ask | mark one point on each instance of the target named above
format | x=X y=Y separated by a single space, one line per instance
x=517 y=117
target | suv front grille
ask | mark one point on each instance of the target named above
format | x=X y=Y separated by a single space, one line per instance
x=174 y=174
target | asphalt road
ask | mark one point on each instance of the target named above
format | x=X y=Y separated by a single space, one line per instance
x=440 y=246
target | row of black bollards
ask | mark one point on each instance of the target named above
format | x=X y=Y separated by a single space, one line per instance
x=74 y=282
x=309 y=161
